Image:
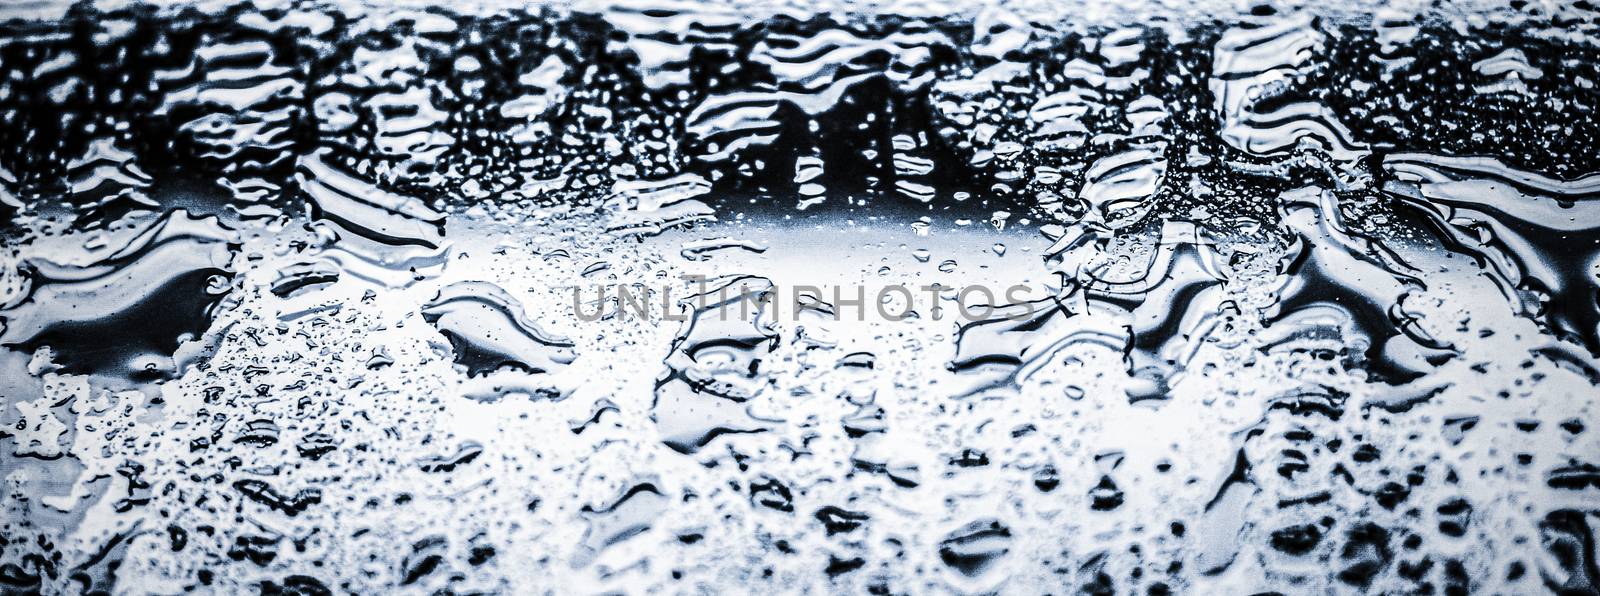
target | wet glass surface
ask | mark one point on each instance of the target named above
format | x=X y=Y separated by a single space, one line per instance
x=902 y=298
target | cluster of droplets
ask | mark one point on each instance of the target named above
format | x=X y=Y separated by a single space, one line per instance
x=317 y=299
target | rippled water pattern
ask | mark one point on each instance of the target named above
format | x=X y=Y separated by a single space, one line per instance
x=329 y=298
